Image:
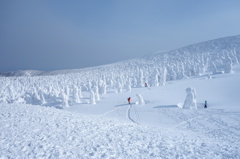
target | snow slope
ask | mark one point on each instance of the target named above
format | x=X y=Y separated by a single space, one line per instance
x=162 y=103
x=58 y=88
x=158 y=127
x=37 y=132
x=207 y=52
x=114 y=129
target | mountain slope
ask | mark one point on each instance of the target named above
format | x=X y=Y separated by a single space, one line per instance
x=212 y=50
x=51 y=88
x=112 y=128
x=204 y=54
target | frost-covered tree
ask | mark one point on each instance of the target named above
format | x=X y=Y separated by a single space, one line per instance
x=43 y=101
x=140 y=99
x=180 y=71
x=190 y=101
x=163 y=77
x=233 y=56
x=67 y=91
x=119 y=87
x=214 y=68
x=154 y=78
x=111 y=84
x=173 y=74
x=35 y=97
x=97 y=97
x=228 y=66
x=92 y=98
x=194 y=106
x=80 y=91
x=134 y=82
x=76 y=98
x=102 y=87
x=140 y=80
x=65 y=99
x=129 y=88
x=89 y=85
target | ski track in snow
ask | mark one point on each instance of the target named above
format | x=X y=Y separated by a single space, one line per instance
x=38 y=132
x=132 y=105
x=129 y=114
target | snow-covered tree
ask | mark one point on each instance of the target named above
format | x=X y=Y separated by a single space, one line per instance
x=119 y=87
x=129 y=88
x=194 y=106
x=102 y=87
x=65 y=99
x=35 y=97
x=89 y=85
x=179 y=69
x=214 y=68
x=140 y=99
x=140 y=80
x=154 y=78
x=97 y=97
x=172 y=73
x=111 y=84
x=92 y=98
x=76 y=98
x=80 y=91
x=163 y=77
x=67 y=91
x=228 y=66
x=43 y=101
x=190 y=101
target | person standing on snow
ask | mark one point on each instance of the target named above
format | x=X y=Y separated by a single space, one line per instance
x=129 y=99
x=205 y=105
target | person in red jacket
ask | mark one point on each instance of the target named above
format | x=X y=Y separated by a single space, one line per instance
x=129 y=99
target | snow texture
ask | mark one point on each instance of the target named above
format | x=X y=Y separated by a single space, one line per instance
x=80 y=127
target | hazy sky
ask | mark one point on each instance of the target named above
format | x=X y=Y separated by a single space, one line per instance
x=66 y=34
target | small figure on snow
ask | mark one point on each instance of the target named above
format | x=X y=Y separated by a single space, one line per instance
x=129 y=100
x=146 y=85
x=205 y=105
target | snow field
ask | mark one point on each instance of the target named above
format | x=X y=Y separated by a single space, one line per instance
x=94 y=120
x=37 y=132
x=113 y=129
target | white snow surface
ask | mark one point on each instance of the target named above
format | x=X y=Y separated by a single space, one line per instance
x=52 y=115
x=114 y=129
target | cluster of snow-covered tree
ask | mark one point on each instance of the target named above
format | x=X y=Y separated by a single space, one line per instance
x=66 y=89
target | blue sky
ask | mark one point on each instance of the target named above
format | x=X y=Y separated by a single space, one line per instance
x=60 y=34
